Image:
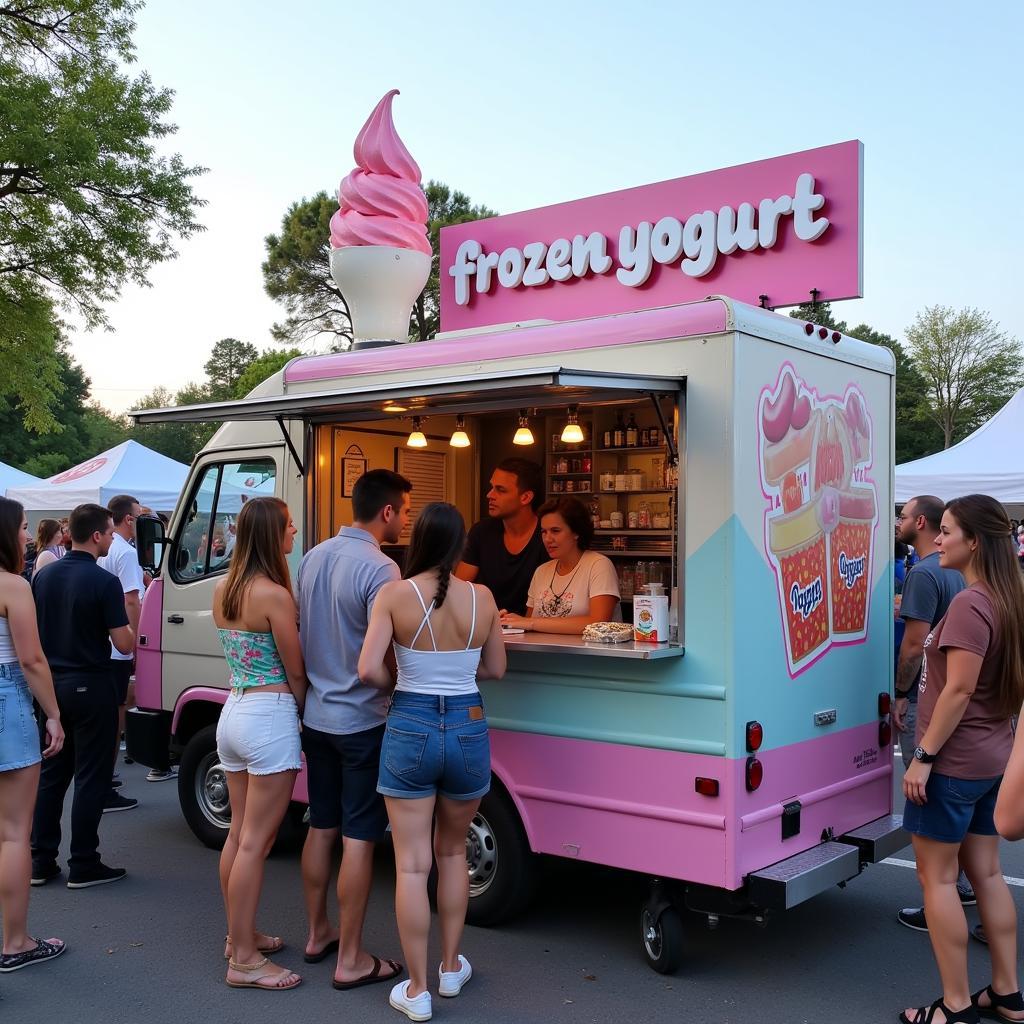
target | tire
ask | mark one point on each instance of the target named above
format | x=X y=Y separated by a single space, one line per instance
x=503 y=871
x=203 y=789
x=661 y=936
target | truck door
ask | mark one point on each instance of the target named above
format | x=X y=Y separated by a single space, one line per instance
x=200 y=555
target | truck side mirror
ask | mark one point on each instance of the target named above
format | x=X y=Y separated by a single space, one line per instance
x=150 y=542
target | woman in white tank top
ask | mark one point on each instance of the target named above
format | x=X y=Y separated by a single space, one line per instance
x=435 y=759
x=24 y=674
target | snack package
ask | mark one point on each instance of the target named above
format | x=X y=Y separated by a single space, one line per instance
x=608 y=633
x=850 y=561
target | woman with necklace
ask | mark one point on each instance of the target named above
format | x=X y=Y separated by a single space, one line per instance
x=578 y=586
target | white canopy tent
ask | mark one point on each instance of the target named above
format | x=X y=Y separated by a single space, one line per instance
x=11 y=477
x=129 y=468
x=989 y=461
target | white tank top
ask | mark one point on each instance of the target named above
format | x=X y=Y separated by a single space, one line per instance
x=7 y=651
x=440 y=673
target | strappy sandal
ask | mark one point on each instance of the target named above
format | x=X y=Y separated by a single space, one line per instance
x=926 y=1014
x=273 y=979
x=1013 y=1001
x=275 y=947
x=42 y=951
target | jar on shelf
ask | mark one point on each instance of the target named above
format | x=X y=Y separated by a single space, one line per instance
x=570 y=485
x=633 y=518
x=562 y=464
x=587 y=464
x=636 y=480
x=621 y=482
x=644 y=516
x=557 y=486
x=617 y=519
x=607 y=481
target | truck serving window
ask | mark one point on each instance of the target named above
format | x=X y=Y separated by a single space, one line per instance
x=207 y=538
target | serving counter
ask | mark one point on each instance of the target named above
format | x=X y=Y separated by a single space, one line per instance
x=560 y=643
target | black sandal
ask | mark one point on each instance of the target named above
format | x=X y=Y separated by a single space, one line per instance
x=42 y=951
x=926 y=1014
x=1013 y=1001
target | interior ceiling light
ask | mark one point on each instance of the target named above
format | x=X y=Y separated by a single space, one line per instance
x=572 y=433
x=524 y=435
x=417 y=439
x=394 y=407
x=460 y=439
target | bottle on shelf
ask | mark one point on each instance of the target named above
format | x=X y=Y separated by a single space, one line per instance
x=619 y=432
x=645 y=437
x=632 y=432
x=607 y=438
x=644 y=516
x=655 y=437
x=595 y=513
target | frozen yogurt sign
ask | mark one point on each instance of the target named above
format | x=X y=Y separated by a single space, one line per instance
x=778 y=227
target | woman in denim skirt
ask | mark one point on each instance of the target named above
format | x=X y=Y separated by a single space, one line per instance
x=971 y=684
x=435 y=762
x=24 y=674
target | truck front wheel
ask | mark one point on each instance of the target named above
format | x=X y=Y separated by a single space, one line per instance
x=203 y=789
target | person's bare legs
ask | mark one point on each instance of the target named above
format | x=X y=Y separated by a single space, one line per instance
x=410 y=828
x=17 y=802
x=453 y=820
x=937 y=869
x=266 y=800
x=354 y=879
x=980 y=858
x=316 y=877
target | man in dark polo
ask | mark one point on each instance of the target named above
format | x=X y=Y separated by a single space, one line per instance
x=80 y=610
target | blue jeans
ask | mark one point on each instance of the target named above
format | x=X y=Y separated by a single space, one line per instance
x=435 y=744
x=19 y=734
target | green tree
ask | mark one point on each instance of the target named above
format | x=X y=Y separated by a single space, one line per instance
x=86 y=202
x=180 y=441
x=228 y=360
x=297 y=270
x=267 y=362
x=446 y=207
x=970 y=367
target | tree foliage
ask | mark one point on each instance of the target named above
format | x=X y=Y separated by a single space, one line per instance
x=970 y=367
x=228 y=360
x=87 y=203
x=267 y=362
x=297 y=269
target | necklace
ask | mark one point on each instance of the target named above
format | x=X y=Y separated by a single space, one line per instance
x=557 y=597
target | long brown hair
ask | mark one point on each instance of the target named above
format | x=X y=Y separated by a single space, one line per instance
x=12 y=554
x=259 y=551
x=438 y=541
x=46 y=530
x=984 y=520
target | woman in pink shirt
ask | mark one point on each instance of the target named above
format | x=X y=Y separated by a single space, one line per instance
x=972 y=682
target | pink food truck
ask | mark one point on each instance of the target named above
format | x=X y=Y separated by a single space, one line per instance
x=743 y=763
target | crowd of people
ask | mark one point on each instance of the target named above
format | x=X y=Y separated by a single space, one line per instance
x=372 y=674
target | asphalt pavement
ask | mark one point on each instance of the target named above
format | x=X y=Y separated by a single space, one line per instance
x=149 y=949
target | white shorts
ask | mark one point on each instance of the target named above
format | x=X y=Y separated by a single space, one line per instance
x=258 y=733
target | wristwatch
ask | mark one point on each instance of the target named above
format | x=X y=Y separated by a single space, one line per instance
x=922 y=755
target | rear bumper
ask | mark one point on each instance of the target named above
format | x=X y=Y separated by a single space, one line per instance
x=148 y=737
x=793 y=881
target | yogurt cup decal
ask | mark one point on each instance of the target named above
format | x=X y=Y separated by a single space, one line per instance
x=821 y=512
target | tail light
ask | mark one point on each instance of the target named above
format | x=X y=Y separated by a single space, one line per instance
x=884 y=735
x=706 y=787
x=884 y=704
x=808 y=328
x=836 y=337
x=755 y=736
x=754 y=774
x=823 y=333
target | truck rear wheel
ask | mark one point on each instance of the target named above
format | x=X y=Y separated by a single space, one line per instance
x=203 y=789
x=662 y=937
x=502 y=869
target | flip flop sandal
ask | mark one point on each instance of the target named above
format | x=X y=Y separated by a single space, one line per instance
x=373 y=977
x=315 y=958
x=259 y=982
x=275 y=947
x=1013 y=1001
x=926 y=1014
x=44 y=950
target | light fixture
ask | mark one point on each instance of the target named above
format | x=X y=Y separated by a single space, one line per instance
x=572 y=433
x=417 y=439
x=460 y=439
x=394 y=407
x=524 y=435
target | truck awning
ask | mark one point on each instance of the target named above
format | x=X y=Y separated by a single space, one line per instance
x=479 y=392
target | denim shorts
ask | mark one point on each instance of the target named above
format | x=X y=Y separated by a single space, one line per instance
x=435 y=744
x=258 y=733
x=19 y=733
x=955 y=808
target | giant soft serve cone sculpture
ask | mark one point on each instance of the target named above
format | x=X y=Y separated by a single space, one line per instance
x=380 y=254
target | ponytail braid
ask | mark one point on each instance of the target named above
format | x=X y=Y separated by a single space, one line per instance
x=444 y=578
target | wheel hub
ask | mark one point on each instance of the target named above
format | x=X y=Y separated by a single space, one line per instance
x=481 y=855
x=651 y=929
x=212 y=791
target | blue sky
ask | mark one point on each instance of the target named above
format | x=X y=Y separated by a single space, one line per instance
x=522 y=105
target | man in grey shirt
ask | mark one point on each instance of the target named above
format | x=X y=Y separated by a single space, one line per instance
x=343 y=724
x=927 y=591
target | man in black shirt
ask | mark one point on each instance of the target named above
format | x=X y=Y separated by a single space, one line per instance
x=504 y=551
x=80 y=610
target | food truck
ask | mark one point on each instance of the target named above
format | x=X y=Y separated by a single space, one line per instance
x=738 y=456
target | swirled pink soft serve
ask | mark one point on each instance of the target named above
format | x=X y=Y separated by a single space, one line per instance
x=380 y=202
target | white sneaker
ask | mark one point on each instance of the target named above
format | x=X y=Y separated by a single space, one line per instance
x=414 y=1009
x=451 y=982
x=155 y=775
